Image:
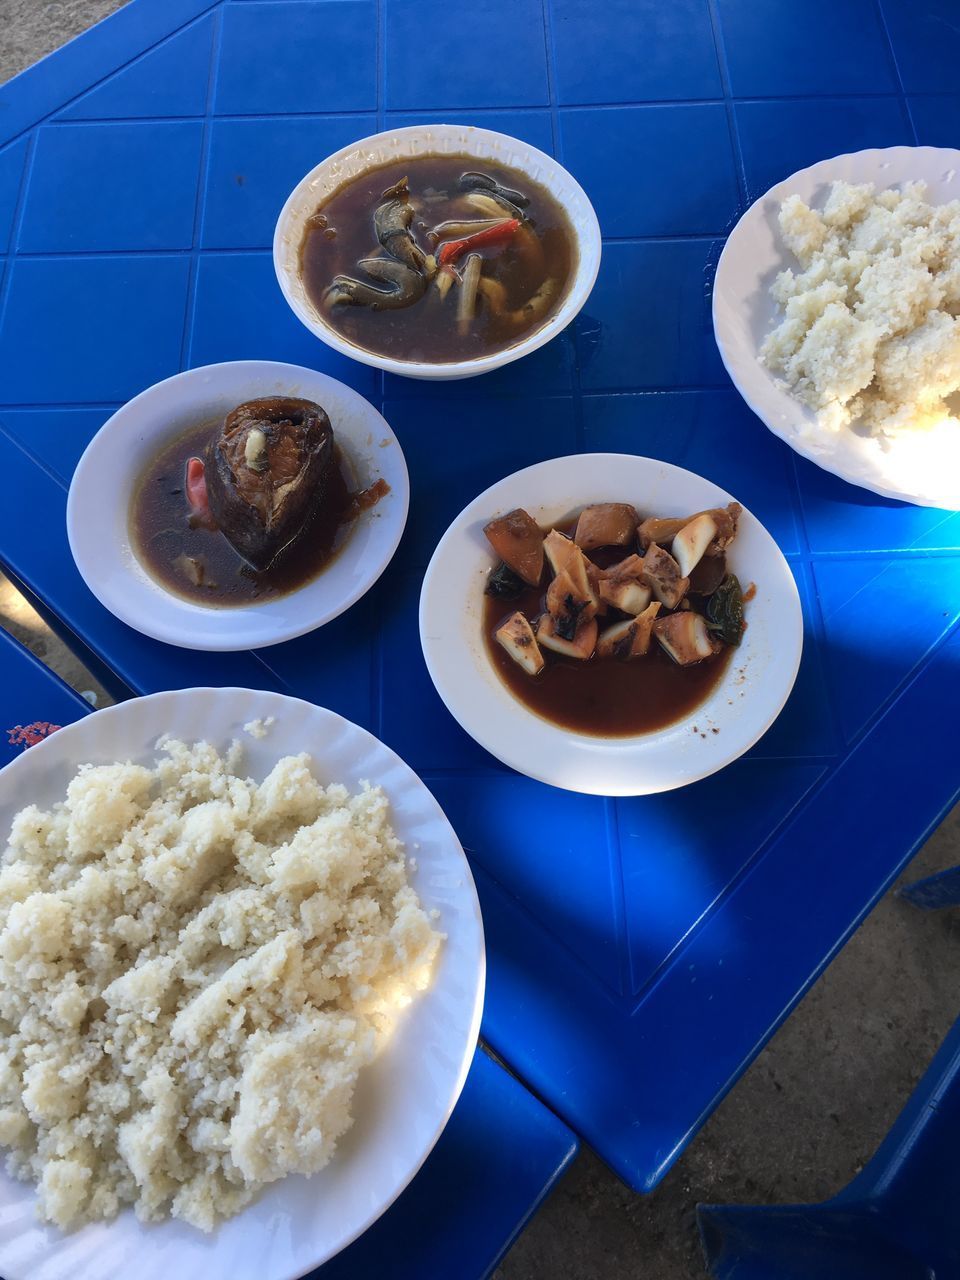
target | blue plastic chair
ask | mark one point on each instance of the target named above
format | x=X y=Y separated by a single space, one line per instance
x=897 y=1220
x=933 y=892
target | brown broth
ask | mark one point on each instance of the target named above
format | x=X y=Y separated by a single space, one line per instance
x=426 y=330
x=162 y=533
x=605 y=697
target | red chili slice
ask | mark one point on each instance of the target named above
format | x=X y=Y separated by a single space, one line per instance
x=451 y=250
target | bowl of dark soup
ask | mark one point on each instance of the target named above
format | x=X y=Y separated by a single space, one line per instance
x=611 y=624
x=237 y=505
x=437 y=251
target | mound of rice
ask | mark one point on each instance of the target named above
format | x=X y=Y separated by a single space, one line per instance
x=194 y=968
x=870 y=330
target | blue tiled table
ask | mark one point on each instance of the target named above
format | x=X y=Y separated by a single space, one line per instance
x=640 y=951
x=498 y=1157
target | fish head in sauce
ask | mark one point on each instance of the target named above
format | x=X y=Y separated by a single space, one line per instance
x=277 y=441
x=267 y=470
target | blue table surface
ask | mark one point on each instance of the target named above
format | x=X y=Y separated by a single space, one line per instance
x=499 y=1156
x=641 y=951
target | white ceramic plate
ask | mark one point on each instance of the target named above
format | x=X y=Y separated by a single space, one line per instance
x=434 y=139
x=920 y=467
x=403 y=1099
x=99 y=503
x=742 y=707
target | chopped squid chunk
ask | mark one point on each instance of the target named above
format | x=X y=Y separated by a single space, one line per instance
x=517 y=637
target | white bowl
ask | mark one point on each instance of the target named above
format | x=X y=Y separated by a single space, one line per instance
x=98 y=507
x=403 y=1098
x=920 y=467
x=741 y=708
x=434 y=139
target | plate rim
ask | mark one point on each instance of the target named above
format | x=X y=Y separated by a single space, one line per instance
x=735 y=367
x=510 y=757
x=232 y=639
x=589 y=249
x=234 y=693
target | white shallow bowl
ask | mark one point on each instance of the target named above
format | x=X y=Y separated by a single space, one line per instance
x=742 y=707
x=405 y=144
x=920 y=467
x=98 y=506
x=403 y=1099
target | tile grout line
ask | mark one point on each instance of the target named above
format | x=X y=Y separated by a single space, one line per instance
x=901 y=90
x=26 y=175
x=381 y=69
x=551 y=73
x=151 y=252
x=108 y=406
x=431 y=113
x=124 y=66
x=51 y=118
x=720 y=52
x=377 y=646
x=733 y=885
x=550 y=931
x=42 y=466
x=615 y=853
x=380 y=126
x=550 y=57
x=808 y=581
x=440 y=773
x=230 y=117
x=203 y=174
x=873 y=721
x=811 y=589
x=611 y=817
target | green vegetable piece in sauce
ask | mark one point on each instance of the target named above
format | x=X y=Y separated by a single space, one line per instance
x=725 y=610
x=504 y=583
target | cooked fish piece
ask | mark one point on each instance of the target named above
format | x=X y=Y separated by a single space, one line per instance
x=663 y=574
x=581 y=646
x=690 y=544
x=606 y=524
x=517 y=637
x=664 y=531
x=685 y=637
x=267 y=471
x=567 y=605
x=630 y=638
x=517 y=540
x=392 y=224
x=402 y=286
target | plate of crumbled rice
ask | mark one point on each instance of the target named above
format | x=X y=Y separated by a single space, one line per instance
x=241 y=977
x=836 y=309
